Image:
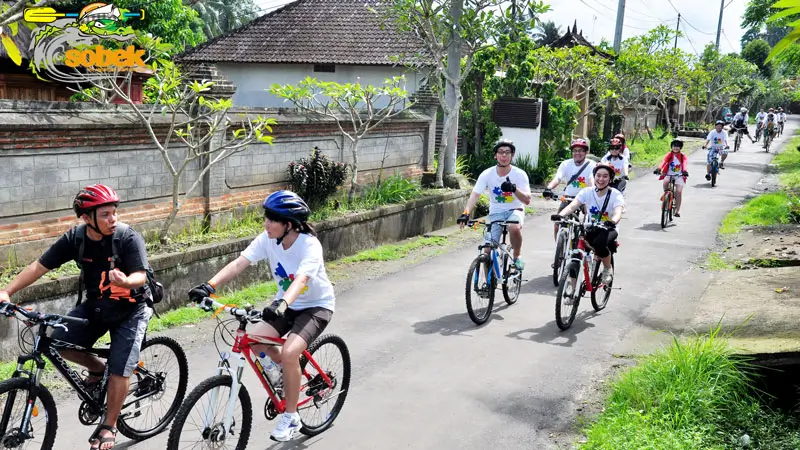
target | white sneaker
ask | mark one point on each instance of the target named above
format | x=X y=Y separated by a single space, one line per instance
x=288 y=423
x=608 y=276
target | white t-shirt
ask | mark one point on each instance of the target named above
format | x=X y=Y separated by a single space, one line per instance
x=717 y=139
x=781 y=117
x=619 y=164
x=500 y=201
x=675 y=165
x=304 y=257
x=594 y=204
x=626 y=152
x=568 y=168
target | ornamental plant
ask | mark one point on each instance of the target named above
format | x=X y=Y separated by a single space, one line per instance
x=317 y=177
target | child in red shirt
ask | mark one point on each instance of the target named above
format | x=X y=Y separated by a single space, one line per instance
x=674 y=165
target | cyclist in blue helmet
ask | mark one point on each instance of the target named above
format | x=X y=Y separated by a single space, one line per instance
x=304 y=303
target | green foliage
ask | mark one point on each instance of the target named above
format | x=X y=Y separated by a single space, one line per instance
x=317 y=177
x=767 y=209
x=394 y=189
x=691 y=395
x=395 y=251
x=714 y=261
x=221 y=16
x=561 y=116
x=482 y=207
x=539 y=173
x=650 y=152
x=756 y=52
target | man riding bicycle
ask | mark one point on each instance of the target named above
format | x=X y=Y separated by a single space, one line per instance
x=759 y=122
x=615 y=159
x=603 y=206
x=510 y=192
x=575 y=172
x=768 y=125
x=675 y=165
x=116 y=297
x=740 y=123
x=781 y=118
x=718 y=140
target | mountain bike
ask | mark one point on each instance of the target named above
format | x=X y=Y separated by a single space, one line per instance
x=218 y=413
x=737 y=141
x=768 y=138
x=485 y=271
x=566 y=237
x=28 y=415
x=575 y=283
x=668 y=204
x=780 y=129
x=715 y=167
x=759 y=128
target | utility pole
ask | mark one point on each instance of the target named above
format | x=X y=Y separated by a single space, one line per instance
x=719 y=24
x=617 y=44
x=677 y=30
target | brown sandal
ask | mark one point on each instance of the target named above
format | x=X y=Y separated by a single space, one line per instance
x=97 y=442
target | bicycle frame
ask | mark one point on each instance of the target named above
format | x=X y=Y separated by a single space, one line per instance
x=497 y=249
x=243 y=354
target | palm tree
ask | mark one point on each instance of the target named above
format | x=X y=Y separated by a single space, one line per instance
x=546 y=33
x=222 y=16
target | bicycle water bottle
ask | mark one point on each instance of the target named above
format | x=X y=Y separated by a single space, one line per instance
x=273 y=372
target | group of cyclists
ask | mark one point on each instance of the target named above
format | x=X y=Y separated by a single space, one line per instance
x=119 y=301
x=768 y=123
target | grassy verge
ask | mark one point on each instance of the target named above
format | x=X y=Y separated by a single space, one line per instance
x=691 y=395
x=394 y=251
x=716 y=262
x=649 y=152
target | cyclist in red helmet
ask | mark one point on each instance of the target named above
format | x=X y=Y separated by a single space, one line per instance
x=576 y=173
x=116 y=296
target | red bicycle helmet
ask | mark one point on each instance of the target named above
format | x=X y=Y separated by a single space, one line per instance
x=92 y=197
x=579 y=143
x=621 y=137
x=615 y=144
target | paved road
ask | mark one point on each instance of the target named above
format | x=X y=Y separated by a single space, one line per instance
x=424 y=377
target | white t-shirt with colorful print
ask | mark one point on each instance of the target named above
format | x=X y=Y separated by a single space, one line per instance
x=500 y=201
x=304 y=257
x=675 y=165
x=619 y=164
x=568 y=168
x=594 y=204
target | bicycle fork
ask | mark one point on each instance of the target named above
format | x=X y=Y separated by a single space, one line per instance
x=236 y=384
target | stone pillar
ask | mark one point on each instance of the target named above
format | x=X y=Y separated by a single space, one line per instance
x=214 y=179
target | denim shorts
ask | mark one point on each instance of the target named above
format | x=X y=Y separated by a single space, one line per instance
x=711 y=154
x=512 y=215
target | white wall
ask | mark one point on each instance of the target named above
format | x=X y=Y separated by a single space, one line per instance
x=251 y=80
x=526 y=140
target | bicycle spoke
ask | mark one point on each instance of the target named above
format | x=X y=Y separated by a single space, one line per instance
x=196 y=431
x=319 y=406
x=15 y=411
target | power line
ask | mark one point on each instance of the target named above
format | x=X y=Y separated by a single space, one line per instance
x=728 y=40
x=686 y=21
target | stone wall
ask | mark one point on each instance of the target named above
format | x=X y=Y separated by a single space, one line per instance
x=180 y=271
x=49 y=150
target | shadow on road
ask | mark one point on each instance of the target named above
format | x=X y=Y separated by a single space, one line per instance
x=542 y=285
x=458 y=324
x=654 y=227
x=549 y=333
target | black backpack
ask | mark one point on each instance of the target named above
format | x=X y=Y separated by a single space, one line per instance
x=156 y=288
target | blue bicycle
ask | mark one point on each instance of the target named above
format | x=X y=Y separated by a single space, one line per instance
x=485 y=271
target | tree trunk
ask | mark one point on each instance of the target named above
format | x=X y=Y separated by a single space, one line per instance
x=667 y=117
x=450 y=123
x=162 y=233
x=476 y=111
x=354 y=178
x=452 y=90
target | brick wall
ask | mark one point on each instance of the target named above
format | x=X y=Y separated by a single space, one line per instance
x=48 y=151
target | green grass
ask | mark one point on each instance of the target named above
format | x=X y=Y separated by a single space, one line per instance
x=788 y=163
x=395 y=251
x=767 y=209
x=649 y=152
x=691 y=395
x=714 y=261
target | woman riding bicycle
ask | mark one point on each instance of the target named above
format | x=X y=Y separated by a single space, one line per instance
x=603 y=205
x=619 y=162
x=674 y=165
x=305 y=300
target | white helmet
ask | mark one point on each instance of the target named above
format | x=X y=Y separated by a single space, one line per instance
x=744 y=110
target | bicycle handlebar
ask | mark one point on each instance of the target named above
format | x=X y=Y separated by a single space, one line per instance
x=475 y=222
x=209 y=304
x=48 y=320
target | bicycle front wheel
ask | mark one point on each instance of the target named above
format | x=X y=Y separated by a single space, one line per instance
x=511 y=283
x=567 y=297
x=479 y=290
x=324 y=400
x=43 y=422
x=714 y=171
x=665 y=210
x=558 y=260
x=737 y=142
x=157 y=389
x=200 y=422
x=600 y=291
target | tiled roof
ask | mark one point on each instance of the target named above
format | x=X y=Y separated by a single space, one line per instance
x=317 y=32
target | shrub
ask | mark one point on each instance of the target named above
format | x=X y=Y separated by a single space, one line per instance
x=317 y=177
x=482 y=207
x=395 y=189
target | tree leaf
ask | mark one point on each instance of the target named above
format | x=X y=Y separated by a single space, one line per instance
x=11 y=49
x=14 y=26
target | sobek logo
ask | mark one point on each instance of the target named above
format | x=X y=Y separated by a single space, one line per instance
x=70 y=39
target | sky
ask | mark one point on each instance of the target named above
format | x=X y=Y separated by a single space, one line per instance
x=597 y=19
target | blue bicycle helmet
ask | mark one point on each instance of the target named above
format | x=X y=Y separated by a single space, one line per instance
x=288 y=206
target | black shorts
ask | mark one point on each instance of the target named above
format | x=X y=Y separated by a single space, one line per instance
x=307 y=323
x=127 y=325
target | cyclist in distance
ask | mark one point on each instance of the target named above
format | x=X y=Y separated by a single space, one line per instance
x=718 y=140
x=304 y=303
x=619 y=162
x=675 y=164
x=510 y=192
x=603 y=206
x=781 y=118
x=116 y=297
x=576 y=173
x=740 y=123
x=760 y=120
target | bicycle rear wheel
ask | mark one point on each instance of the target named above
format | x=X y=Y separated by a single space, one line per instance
x=333 y=357
x=44 y=419
x=511 y=283
x=479 y=291
x=157 y=389
x=600 y=292
x=200 y=420
x=558 y=260
x=567 y=297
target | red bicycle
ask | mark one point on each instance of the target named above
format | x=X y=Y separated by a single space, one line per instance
x=219 y=413
x=575 y=283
